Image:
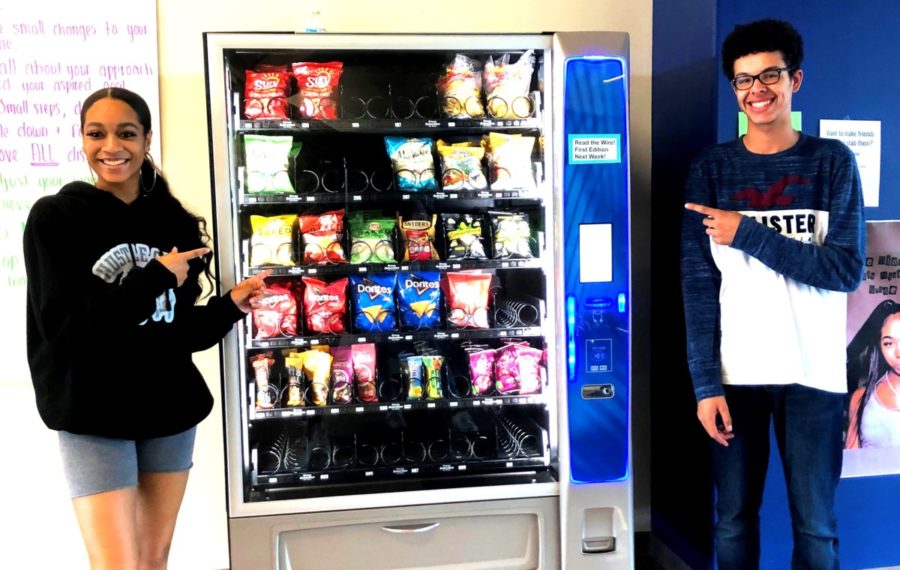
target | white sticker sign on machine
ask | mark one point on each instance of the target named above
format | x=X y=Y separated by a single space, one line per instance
x=595 y=149
x=595 y=253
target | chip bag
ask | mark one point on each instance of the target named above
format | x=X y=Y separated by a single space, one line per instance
x=267 y=161
x=464 y=236
x=419 y=299
x=459 y=88
x=512 y=235
x=373 y=302
x=467 y=299
x=274 y=312
x=265 y=93
x=413 y=163
x=324 y=305
x=506 y=86
x=272 y=241
x=461 y=166
x=418 y=239
x=371 y=239
x=509 y=161
x=317 y=85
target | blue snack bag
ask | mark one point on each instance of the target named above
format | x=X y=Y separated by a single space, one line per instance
x=374 y=309
x=419 y=299
x=413 y=163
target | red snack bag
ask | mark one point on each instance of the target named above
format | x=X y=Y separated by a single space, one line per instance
x=363 y=356
x=274 y=312
x=322 y=247
x=467 y=299
x=317 y=86
x=265 y=94
x=321 y=237
x=324 y=305
x=332 y=221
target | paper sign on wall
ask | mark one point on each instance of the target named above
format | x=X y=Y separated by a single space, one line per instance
x=864 y=139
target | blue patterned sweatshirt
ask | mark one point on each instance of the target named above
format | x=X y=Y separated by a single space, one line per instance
x=771 y=308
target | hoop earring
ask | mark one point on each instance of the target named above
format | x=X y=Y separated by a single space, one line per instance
x=148 y=160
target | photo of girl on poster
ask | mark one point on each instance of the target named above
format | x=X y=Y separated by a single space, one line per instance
x=873 y=376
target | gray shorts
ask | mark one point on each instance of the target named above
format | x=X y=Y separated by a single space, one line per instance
x=94 y=464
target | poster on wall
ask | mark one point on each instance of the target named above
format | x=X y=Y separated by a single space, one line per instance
x=52 y=55
x=872 y=442
x=864 y=139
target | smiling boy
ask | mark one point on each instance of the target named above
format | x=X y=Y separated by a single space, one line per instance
x=772 y=240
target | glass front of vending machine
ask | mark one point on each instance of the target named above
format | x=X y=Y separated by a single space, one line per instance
x=402 y=394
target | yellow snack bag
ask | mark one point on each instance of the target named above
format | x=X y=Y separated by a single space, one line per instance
x=272 y=242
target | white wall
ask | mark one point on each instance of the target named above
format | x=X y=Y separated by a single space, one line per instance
x=40 y=529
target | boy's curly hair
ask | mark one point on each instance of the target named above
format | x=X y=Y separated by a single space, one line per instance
x=762 y=36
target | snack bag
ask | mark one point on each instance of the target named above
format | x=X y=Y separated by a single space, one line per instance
x=461 y=166
x=371 y=239
x=459 y=88
x=341 y=375
x=481 y=369
x=467 y=299
x=266 y=393
x=266 y=162
x=509 y=161
x=506 y=370
x=274 y=312
x=529 y=362
x=419 y=299
x=413 y=163
x=433 y=388
x=373 y=302
x=295 y=395
x=464 y=236
x=507 y=86
x=512 y=235
x=321 y=237
x=317 y=369
x=418 y=239
x=265 y=93
x=317 y=88
x=272 y=240
x=324 y=305
x=411 y=370
x=363 y=356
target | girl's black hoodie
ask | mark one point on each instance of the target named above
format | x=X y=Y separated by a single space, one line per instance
x=109 y=334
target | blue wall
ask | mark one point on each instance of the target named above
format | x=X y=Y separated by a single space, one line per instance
x=851 y=71
x=684 y=121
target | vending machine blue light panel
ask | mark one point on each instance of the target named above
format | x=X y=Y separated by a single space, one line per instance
x=597 y=267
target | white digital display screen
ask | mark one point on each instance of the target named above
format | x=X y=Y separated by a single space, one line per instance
x=595 y=253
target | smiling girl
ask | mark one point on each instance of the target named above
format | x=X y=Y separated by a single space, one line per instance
x=113 y=279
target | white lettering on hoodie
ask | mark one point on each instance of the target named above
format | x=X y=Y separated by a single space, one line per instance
x=115 y=264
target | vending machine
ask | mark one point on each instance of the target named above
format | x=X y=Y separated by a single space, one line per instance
x=438 y=371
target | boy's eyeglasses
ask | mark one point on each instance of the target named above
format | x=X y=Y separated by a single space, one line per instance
x=766 y=77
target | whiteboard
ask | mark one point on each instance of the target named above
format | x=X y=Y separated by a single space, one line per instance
x=52 y=55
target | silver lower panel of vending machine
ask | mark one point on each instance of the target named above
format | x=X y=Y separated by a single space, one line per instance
x=509 y=534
